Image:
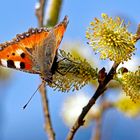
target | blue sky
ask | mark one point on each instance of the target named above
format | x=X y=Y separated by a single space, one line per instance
x=17 y=17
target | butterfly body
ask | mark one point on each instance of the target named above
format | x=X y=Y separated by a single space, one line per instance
x=34 y=51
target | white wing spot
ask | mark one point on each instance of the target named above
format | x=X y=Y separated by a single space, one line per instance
x=19 y=51
x=4 y=62
x=17 y=64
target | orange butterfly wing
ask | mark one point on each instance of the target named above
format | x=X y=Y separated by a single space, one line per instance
x=59 y=30
x=15 y=54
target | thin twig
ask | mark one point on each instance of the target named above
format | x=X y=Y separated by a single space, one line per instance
x=40 y=9
x=105 y=105
x=45 y=103
x=97 y=135
x=98 y=120
x=40 y=12
x=101 y=88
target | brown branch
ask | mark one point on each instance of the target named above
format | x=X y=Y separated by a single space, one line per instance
x=40 y=12
x=48 y=125
x=105 y=105
x=101 y=88
x=97 y=135
x=45 y=103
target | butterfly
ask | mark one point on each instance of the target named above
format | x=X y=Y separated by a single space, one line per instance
x=34 y=51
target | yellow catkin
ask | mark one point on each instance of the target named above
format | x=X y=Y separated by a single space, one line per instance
x=131 y=85
x=111 y=39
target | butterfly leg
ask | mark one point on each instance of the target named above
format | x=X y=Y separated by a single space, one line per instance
x=63 y=74
x=48 y=77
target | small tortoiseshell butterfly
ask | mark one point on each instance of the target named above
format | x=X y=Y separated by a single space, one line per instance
x=34 y=51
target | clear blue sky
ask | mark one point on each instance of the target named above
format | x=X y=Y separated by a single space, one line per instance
x=16 y=124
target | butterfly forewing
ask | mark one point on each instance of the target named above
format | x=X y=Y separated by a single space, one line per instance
x=60 y=30
x=13 y=56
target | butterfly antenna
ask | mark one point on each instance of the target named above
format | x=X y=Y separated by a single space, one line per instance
x=31 y=97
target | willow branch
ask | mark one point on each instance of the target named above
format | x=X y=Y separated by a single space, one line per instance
x=97 y=135
x=101 y=88
x=45 y=104
x=40 y=12
x=54 y=12
x=40 y=9
x=105 y=105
